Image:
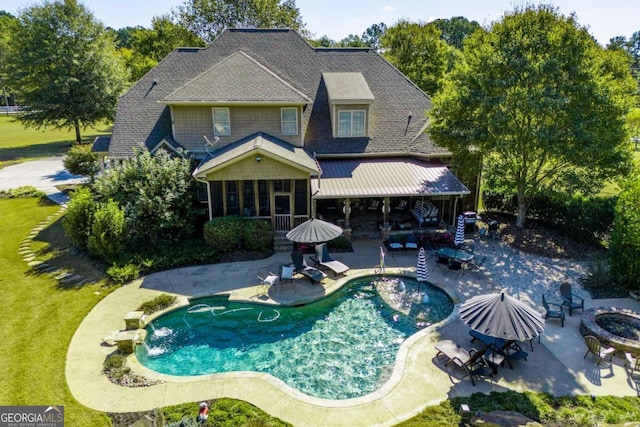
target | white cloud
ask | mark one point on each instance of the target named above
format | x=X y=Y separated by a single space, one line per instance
x=389 y=8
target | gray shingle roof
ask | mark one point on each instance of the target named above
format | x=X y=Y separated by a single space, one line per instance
x=237 y=79
x=396 y=116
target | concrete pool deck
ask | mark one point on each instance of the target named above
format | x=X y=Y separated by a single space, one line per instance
x=555 y=365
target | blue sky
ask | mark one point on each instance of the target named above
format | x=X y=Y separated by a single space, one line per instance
x=339 y=18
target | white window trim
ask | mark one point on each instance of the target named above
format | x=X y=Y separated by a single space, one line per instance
x=213 y=114
x=282 y=110
x=351 y=134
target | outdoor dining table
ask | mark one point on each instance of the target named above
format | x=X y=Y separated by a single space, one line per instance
x=455 y=254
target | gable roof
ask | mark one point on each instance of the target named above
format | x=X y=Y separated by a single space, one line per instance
x=258 y=143
x=237 y=79
x=397 y=116
x=347 y=88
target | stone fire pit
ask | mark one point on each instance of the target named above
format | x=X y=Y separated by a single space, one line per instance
x=589 y=326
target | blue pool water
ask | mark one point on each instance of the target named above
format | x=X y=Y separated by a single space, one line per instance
x=340 y=347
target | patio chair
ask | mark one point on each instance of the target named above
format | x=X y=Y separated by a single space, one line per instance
x=286 y=274
x=267 y=279
x=411 y=243
x=553 y=313
x=471 y=360
x=324 y=259
x=393 y=244
x=570 y=300
x=401 y=206
x=373 y=206
x=632 y=362
x=301 y=266
x=597 y=349
x=476 y=264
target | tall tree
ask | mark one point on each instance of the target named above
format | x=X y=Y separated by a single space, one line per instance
x=418 y=52
x=7 y=25
x=542 y=102
x=64 y=66
x=208 y=18
x=455 y=30
x=372 y=35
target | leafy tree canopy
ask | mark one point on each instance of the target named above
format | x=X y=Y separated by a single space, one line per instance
x=418 y=52
x=625 y=237
x=542 y=102
x=455 y=30
x=208 y=18
x=64 y=66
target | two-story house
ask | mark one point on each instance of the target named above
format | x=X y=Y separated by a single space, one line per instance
x=284 y=130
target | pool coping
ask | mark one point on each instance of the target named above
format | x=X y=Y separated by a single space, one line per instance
x=387 y=405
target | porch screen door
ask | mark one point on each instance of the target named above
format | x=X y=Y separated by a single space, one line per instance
x=283 y=212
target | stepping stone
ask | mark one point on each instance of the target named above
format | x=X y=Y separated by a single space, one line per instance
x=35 y=264
x=42 y=266
x=25 y=251
x=29 y=258
x=63 y=275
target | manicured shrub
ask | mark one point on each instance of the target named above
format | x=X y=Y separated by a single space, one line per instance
x=339 y=243
x=256 y=235
x=163 y=255
x=24 y=192
x=79 y=217
x=158 y=303
x=123 y=273
x=81 y=160
x=108 y=232
x=224 y=233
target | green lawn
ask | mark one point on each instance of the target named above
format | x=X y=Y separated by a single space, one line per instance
x=39 y=318
x=19 y=143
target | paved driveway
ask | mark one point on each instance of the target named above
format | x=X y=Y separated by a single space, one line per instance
x=43 y=174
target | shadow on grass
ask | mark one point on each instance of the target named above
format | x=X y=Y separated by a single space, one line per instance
x=13 y=155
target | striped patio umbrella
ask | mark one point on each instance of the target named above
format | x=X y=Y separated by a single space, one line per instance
x=501 y=316
x=422 y=274
x=314 y=231
x=459 y=238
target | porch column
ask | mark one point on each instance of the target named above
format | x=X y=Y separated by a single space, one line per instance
x=347 y=211
x=386 y=208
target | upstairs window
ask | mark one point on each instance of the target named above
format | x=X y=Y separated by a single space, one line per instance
x=221 y=122
x=289 y=119
x=351 y=123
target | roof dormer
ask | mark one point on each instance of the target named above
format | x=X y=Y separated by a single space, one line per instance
x=349 y=100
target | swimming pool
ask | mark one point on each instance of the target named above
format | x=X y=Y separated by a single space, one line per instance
x=340 y=347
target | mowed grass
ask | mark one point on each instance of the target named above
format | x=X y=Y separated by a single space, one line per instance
x=39 y=318
x=18 y=143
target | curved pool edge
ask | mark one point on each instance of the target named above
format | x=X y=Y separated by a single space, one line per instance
x=409 y=389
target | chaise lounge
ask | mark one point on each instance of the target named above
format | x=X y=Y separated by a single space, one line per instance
x=301 y=266
x=324 y=259
x=471 y=360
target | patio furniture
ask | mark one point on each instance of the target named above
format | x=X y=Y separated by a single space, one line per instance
x=551 y=313
x=373 y=206
x=597 y=349
x=286 y=273
x=324 y=259
x=475 y=265
x=632 y=362
x=425 y=214
x=570 y=300
x=401 y=206
x=393 y=244
x=411 y=243
x=510 y=349
x=471 y=360
x=267 y=279
x=301 y=266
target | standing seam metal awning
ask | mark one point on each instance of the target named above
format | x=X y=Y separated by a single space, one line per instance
x=392 y=177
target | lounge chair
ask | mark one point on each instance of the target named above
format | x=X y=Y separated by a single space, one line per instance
x=551 y=313
x=597 y=349
x=267 y=279
x=401 y=206
x=393 y=244
x=471 y=360
x=570 y=300
x=324 y=259
x=373 y=206
x=301 y=266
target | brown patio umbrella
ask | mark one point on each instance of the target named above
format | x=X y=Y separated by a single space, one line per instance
x=314 y=231
x=501 y=316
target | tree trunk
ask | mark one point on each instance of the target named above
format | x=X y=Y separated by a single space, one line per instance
x=522 y=210
x=78 y=137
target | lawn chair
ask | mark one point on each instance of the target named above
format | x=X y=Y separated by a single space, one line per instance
x=570 y=300
x=632 y=362
x=324 y=259
x=267 y=279
x=301 y=266
x=373 y=206
x=411 y=243
x=471 y=360
x=597 y=349
x=551 y=313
